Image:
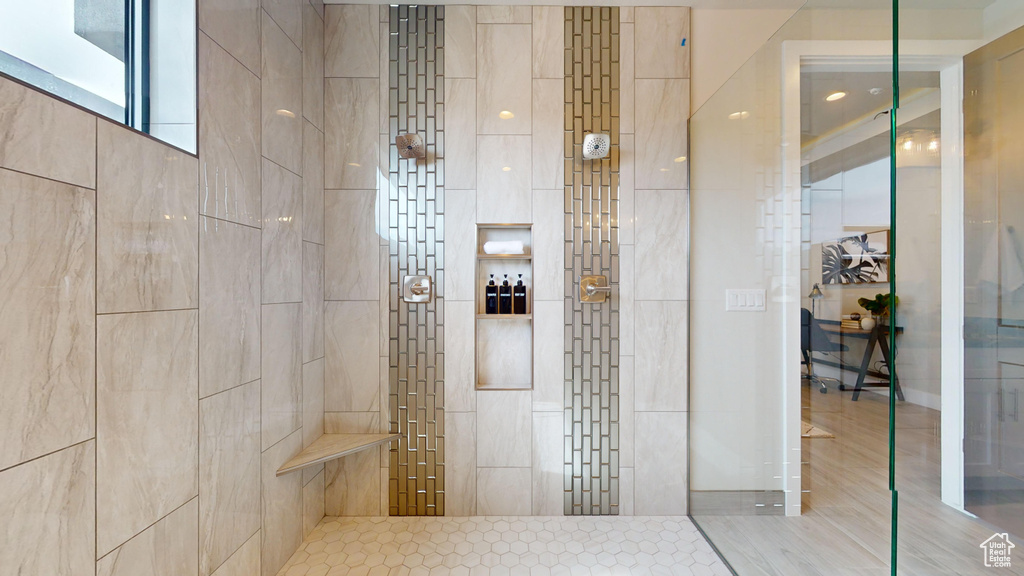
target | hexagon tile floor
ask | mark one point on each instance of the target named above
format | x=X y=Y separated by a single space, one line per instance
x=505 y=545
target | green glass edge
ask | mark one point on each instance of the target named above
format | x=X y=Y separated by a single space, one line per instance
x=892 y=284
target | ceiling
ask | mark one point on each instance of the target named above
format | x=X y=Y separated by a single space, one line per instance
x=867 y=94
x=721 y=4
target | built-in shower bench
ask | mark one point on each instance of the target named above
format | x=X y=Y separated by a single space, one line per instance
x=332 y=446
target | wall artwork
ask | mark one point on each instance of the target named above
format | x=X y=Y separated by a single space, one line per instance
x=860 y=259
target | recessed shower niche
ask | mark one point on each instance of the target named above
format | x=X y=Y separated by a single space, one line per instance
x=504 y=309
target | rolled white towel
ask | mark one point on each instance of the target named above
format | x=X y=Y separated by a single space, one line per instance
x=504 y=247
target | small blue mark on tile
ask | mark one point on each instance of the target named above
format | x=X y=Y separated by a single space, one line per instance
x=684 y=42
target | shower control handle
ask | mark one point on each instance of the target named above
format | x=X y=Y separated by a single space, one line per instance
x=594 y=289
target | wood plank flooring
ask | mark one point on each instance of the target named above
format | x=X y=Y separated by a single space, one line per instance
x=845 y=526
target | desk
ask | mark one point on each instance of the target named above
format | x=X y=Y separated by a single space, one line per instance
x=879 y=335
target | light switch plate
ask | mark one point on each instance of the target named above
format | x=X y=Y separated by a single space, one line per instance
x=746 y=300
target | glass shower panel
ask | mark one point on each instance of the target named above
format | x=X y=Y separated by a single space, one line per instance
x=960 y=360
x=792 y=155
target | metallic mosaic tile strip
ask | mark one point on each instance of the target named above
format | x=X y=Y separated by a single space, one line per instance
x=416 y=247
x=591 y=247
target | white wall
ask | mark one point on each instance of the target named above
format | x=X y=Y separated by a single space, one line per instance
x=919 y=258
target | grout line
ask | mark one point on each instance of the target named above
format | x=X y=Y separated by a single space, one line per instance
x=157 y=521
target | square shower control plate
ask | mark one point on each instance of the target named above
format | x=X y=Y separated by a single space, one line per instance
x=417 y=289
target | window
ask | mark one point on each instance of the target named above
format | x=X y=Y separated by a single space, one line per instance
x=133 y=61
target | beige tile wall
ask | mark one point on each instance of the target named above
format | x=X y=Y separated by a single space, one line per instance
x=504 y=449
x=161 y=333
x=355 y=338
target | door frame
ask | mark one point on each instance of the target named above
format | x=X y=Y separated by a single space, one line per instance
x=945 y=57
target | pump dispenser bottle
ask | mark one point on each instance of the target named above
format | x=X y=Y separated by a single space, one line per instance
x=519 y=297
x=505 y=297
x=491 y=297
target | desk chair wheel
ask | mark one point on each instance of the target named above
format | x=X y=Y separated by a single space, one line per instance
x=842 y=387
x=823 y=390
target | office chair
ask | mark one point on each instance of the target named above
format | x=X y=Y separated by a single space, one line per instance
x=814 y=339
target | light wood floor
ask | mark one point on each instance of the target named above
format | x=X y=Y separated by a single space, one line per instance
x=845 y=526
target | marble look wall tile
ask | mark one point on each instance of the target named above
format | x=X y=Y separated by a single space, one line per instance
x=245 y=561
x=282 y=371
x=660 y=471
x=661 y=343
x=47 y=276
x=549 y=245
x=626 y=14
x=312 y=184
x=281 y=82
x=627 y=79
x=384 y=301
x=168 y=548
x=503 y=14
x=352 y=375
x=548 y=42
x=282 y=235
x=460 y=133
x=627 y=299
x=627 y=483
x=627 y=191
x=662 y=108
x=229 y=136
x=147 y=427
x=504 y=72
x=319 y=6
x=504 y=491
x=312 y=301
x=352 y=250
x=627 y=367
x=504 y=195
x=351 y=132
x=549 y=133
x=288 y=15
x=459 y=43
x=384 y=93
x=460 y=463
x=46 y=137
x=235 y=26
x=459 y=245
x=549 y=356
x=49 y=514
x=659 y=50
x=229 y=474
x=229 y=305
x=352 y=484
x=282 y=505
x=351 y=40
x=662 y=245
x=548 y=463
x=459 y=382
x=147 y=242
x=504 y=420
x=504 y=349
x=312 y=67
x=312 y=504
x=312 y=401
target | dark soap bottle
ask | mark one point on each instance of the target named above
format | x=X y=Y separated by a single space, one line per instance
x=491 y=297
x=505 y=297
x=519 y=297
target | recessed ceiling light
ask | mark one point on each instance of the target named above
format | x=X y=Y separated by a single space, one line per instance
x=875 y=91
x=356 y=164
x=681 y=159
x=506 y=115
x=835 y=96
x=664 y=169
x=506 y=169
x=739 y=115
x=286 y=113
